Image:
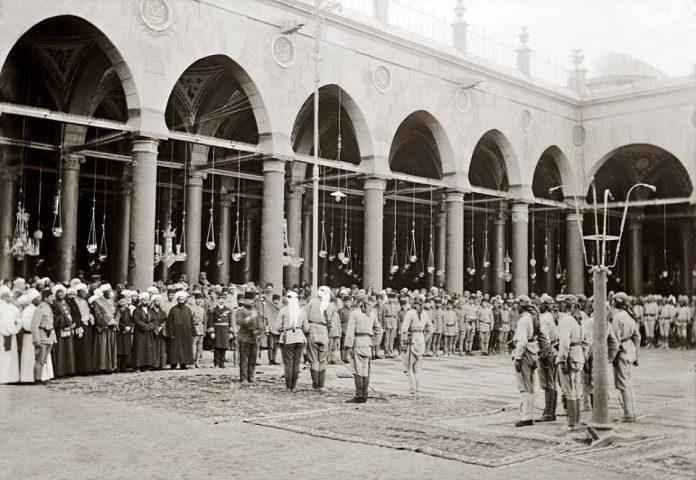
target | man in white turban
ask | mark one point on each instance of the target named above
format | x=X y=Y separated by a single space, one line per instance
x=318 y=339
x=10 y=324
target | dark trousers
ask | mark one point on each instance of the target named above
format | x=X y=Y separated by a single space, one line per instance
x=292 y=355
x=272 y=340
x=219 y=356
x=123 y=362
x=247 y=361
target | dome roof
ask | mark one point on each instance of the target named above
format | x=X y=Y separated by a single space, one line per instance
x=621 y=67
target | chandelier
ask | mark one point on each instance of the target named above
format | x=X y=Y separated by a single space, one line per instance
x=20 y=244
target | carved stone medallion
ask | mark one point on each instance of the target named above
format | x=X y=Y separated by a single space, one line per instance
x=156 y=14
x=578 y=135
x=283 y=51
x=382 y=79
x=526 y=121
x=462 y=100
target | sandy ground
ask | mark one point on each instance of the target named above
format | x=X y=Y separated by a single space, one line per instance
x=102 y=430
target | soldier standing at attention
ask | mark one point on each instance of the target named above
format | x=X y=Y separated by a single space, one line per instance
x=438 y=327
x=451 y=327
x=547 y=358
x=221 y=331
x=683 y=318
x=416 y=324
x=650 y=318
x=390 y=313
x=361 y=328
x=461 y=325
x=626 y=330
x=483 y=325
x=525 y=358
x=571 y=358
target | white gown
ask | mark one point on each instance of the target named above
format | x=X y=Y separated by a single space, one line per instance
x=9 y=359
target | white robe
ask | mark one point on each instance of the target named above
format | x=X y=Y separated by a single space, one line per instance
x=9 y=359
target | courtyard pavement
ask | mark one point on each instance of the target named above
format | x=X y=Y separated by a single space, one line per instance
x=200 y=423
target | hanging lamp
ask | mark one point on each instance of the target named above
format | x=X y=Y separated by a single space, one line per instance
x=236 y=242
x=532 y=261
x=394 y=261
x=471 y=266
x=92 y=235
x=57 y=227
x=431 y=250
x=103 y=253
x=323 y=246
x=486 y=253
x=546 y=242
x=665 y=271
x=507 y=276
x=210 y=238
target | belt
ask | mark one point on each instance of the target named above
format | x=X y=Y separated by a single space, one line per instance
x=575 y=344
x=363 y=334
x=318 y=323
x=415 y=331
x=390 y=316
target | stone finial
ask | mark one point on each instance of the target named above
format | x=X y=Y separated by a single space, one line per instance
x=524 y=36
x=577 y=57
x=459 y=10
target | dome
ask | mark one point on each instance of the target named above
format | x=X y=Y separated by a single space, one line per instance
x=613 y=69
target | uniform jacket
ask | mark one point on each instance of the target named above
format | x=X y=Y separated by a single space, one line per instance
x=42 y=325
x=361 y=327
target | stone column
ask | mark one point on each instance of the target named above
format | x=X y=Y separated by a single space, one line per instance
x=454 y=269
x=550 y=276
x=194 y=222
x=123 y=232
x=498 y=251
x=223 y=271
x=520 y=249
x=635 y=261
x=293 y=202
x=8 y=197
x=440 y=247
x=66 y=254
x=272 y=223
x=306 y=269
x=575 y=262
x=374 y=231
x=142 y=219
x=250 y=247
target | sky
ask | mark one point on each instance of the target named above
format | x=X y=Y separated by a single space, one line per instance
x=659 y=32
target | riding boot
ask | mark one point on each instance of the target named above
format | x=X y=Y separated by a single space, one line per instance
x=358 y=390
x=571 y=414
x=549 y=414
x=321 y=376
x=578 y=409
x=314 y=375
x=365 y=389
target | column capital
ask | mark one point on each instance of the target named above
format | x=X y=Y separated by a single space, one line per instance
x=196 y=178
x=226 y=200
x=272 y=164
x=71 y=161
x=10 y=173
x=374 y=183
x=295 y=192
x=145 y=145
x=454 y=196
x=520 y=212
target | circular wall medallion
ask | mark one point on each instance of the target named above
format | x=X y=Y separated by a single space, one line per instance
x=156 y=14
x=526 y=120
x=381 y=78
x=462 y=100
x=578 y=135
x=283 y=51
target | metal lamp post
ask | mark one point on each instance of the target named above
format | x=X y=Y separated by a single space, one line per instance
x=600 y=270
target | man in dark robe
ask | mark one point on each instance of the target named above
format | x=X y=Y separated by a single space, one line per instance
x=105 y=348
x=84 y=320
x=180 y=331
x=63 y=352
x=142 y=355
x=124 y=339
x=158 y=319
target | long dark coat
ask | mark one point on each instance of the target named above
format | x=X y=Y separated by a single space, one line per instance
x=180 y=332
x=124 y=341
x=84 y=347
x=158 y=318
x=143 y=339
x=63 y=352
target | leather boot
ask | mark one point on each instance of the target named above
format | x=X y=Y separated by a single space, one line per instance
x=578 y=409
x=571 y=414
x=554 y=403
x=314 y=379
x=365 y=389
x=358 y=390
x=321 y=376
x=549 y=398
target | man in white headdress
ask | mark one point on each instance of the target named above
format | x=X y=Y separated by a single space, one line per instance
x=292 y=324
x=318 y=340
x=10 y=324
x=105 y=349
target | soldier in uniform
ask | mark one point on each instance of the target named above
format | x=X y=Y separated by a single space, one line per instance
x=525 y=357
x=548 y=350
x=637 y=305
x=335 y=334
x=344 y=314
x=667 y=315
x=293 y=325
x=318 y=338
x=461 y=325
x=683 y=318
x=451 y=327
x=390 y=313
x=199 y=325
x=438 y=327
x=221 y=329
x=250 y=329
x=359 y=333
x=484 y=323
x=417 y=322
x=626 y=331
x=471 y=314
x=650 y=311
x=504 y=326
x=571 y=358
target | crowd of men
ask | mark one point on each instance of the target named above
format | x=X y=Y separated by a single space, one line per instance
x=81 y=328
